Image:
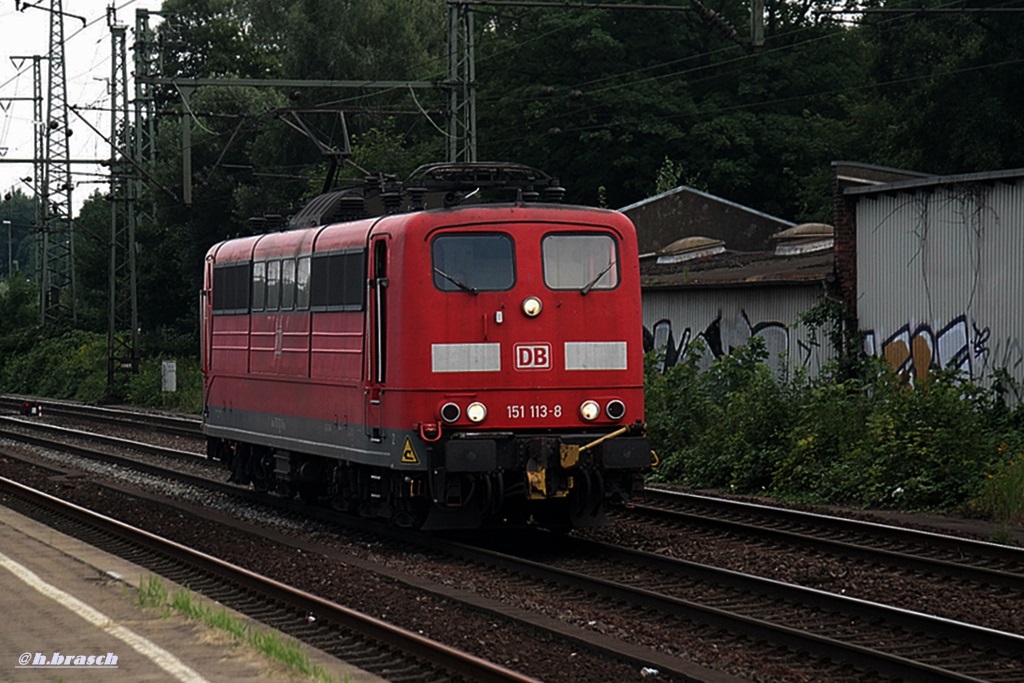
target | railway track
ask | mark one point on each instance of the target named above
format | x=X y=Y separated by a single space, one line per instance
x=179 y=425
x=379 y=647
x=956 y=558
x=368 y=532
x=754 y=613
x=874 y=637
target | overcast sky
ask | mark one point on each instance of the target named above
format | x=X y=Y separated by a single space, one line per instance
x=88 y=61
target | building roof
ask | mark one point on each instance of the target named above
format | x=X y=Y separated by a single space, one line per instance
x=737 y=269
x=685 y=212
x=932 y=181
x=730 y=246
x=710 y=197
x=857 y=174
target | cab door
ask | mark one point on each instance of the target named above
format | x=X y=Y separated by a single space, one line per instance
x=376 y=356
x=206 y=315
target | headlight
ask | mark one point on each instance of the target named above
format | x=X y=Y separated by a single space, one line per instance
x=476 y=412
x=450 y=412
x=615 y=409
x=589 y=410
x=531 y=306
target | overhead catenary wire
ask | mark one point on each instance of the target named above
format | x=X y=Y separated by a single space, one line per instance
x=83 y=66
x=635 y=78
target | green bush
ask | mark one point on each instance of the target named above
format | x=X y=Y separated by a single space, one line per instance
x=926 y=444
x=725 y=427
x=72 y=365
x=1002 y=492
x=145 y=387
x=874 y=440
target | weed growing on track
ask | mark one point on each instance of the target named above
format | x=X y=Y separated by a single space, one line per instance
x=153 y=594
x=1002 y=495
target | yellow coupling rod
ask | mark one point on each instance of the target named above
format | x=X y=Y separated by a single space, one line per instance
x=598 y=442
x=570 y=453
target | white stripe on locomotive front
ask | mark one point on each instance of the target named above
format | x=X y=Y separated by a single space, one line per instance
x=595 y=355
x=465 y=357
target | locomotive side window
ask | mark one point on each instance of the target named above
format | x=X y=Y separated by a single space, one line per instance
x=273 y=285
x=302 y=284
x=259 y=286
x=287 y=284
x=280 y=285
x=337 y=281
x=580 y=261
x=473 y=263
x=231 y=288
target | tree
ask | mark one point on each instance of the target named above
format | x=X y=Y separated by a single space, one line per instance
x=246 y=161
x=598 y=98
x=947 y=85
x=620 y=91
x=19 y=209
x=215 y=38
x=92 y=263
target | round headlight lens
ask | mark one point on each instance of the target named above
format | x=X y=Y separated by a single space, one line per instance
x=615 y=409
x=450 y=412
x=476 y=412
x=531 y=306
x=589 y=410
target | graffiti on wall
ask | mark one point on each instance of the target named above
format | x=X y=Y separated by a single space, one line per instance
x=916 y=349
x=720 y=338
x=913 y=350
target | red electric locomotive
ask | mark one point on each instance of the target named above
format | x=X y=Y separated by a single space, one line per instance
x=465 y=366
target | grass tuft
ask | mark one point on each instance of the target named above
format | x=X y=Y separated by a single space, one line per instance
x=290 y=653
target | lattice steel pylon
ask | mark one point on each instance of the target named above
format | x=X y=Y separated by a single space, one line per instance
x=57 y=244
x=122 y=312
x=461 y=84
x=38 y=130
x=146 y=54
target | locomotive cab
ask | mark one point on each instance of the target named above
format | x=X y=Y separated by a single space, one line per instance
x=529 y=361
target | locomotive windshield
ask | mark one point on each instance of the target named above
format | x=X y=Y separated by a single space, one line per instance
x=473 y=262
x=583 y=262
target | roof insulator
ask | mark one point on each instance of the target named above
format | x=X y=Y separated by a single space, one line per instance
x=553 y=193
x=417 y=198
x=392 y=201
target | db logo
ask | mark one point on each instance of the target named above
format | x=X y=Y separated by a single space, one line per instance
x=532 y=356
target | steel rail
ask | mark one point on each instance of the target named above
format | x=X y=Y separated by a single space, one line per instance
x=113 y=441
x=928 y=551
x=180 y=425
x=877 y=660
x=888 y=663
x=638 y=656
x=438 y=654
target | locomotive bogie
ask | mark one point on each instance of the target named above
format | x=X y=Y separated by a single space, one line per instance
x=471 y=482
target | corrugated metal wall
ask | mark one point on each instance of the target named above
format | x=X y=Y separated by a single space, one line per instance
x=718 y=319
x=940 y=281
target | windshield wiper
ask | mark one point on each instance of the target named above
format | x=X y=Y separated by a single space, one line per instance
x=590 y=285
x=461 y=285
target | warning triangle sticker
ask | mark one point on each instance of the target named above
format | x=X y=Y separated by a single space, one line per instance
x=409 y=453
